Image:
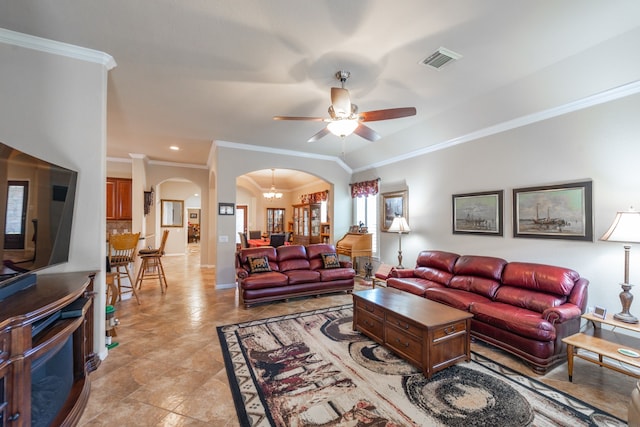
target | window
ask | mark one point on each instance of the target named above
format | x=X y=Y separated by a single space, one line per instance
x=366 y=209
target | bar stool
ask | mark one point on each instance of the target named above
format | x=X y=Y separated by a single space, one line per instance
x=151 y=266
x=122 y=248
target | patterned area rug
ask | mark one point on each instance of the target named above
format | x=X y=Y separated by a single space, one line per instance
x=312 y=369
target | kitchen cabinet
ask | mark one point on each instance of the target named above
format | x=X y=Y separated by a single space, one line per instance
x=119 y=198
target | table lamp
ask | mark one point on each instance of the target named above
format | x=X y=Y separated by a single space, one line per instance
x=399 y=225
x=626 y=229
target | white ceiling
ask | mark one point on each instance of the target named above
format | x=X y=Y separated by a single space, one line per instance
x=192 y=72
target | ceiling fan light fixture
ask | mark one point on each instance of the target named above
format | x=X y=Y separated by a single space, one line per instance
x=272 y=194
x=343 y=127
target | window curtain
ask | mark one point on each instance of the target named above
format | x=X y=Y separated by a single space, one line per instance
x=320 y=196
x=364 y=188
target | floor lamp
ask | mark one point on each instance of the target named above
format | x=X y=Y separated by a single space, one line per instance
x=399 y=225
x=626 y=229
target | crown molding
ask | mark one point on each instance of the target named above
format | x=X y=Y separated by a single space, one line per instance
x=57 y=48
x=589 y=101
x=281 y=151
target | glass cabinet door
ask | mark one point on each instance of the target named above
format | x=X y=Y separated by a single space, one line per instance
x=275 y=220
x=315 y=220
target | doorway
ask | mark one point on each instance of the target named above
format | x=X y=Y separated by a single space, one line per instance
x=241 y=222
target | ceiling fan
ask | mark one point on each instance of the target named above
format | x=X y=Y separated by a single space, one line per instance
x=344 y=116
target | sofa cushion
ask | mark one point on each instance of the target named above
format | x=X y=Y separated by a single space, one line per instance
x=259 y=264
x=539 y=277
x=433 y=274
x=519 y=321
x=269 y=252
x=329 y=274
x=271 y=279
x=415 y=286
x=438 y=260
x=292 y=257
x=330 y=260
x=526 y=298
x=454 y=297
x=477 y=285
x=302 y=276
x=314 y=254
x=479 y=266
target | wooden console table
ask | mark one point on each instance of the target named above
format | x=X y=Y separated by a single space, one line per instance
x=428 y=334
x=604 y=343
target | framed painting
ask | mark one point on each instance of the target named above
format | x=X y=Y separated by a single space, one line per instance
x=226 y=208
x=562 y=211
x=393 y=205
x=478 y=213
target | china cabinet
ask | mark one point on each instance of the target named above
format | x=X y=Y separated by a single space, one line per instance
x=275 y=220
x=306 y=224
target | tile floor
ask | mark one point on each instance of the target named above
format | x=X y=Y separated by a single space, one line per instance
x=168 y=369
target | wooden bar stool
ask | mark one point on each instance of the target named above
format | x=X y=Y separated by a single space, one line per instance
x=122 y=249
x=151 y=266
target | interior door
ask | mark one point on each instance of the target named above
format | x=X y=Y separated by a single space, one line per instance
x=16 y=217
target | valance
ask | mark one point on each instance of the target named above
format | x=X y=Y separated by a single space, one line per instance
x=364 y=188
x=320 y=196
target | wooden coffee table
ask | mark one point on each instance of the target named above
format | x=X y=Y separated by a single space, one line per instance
x=428 y=334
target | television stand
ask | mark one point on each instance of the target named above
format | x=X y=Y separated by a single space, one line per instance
x=49 y=321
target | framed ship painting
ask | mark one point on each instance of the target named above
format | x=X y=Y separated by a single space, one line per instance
x=478 y=213
x=562 y=211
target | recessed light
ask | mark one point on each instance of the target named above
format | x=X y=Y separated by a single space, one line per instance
x=175 y=148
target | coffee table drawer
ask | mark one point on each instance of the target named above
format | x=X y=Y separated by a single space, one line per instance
x=405 y=344
x=449 y=331
x=369 y=307
x=404 y=325
x=370 y=325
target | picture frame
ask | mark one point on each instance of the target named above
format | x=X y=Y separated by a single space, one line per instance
x=193 y=215
x=478 y=213
x=226 y=208
x=600 y=312
x=562 y=211
x=393 y=204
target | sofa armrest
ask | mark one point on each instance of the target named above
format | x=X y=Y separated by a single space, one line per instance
x=241 y=273
x=406 y=272
x=346 y=264
x=562 y=313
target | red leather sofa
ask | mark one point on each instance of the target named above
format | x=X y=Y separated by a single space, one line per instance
x=523 y=308
x=295 y=271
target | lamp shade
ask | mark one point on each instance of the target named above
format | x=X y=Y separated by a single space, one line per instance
x=343 y=127
x=625 y=228
x=399 y=225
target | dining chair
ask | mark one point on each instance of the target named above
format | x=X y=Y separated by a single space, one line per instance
x=151 y=266
x=255 y=234
x=122 y=249
x=276 y=240
x=243 y=240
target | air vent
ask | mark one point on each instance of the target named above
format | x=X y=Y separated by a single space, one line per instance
x=440 y=58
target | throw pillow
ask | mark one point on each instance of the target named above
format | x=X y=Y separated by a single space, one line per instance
x=330 y=260
x=259 y=264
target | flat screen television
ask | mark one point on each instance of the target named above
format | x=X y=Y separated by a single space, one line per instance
x=36 y=213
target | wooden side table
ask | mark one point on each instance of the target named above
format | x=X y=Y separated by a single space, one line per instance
x=607 y=343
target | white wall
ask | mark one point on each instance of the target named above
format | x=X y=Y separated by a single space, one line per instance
x=54 y=107
x=601 y=143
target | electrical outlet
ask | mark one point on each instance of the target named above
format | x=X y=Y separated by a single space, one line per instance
x=223 y=239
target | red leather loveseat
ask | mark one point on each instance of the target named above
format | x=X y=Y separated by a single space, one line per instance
x=291 y=271
x=523 y=308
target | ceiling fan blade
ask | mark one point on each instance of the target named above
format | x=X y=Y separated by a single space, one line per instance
x=340 y=101
x=324 y=132
x=366 y=132
x=310 y=119
x=390 y=113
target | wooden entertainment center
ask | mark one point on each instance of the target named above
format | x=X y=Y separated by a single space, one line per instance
x=51 y=320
